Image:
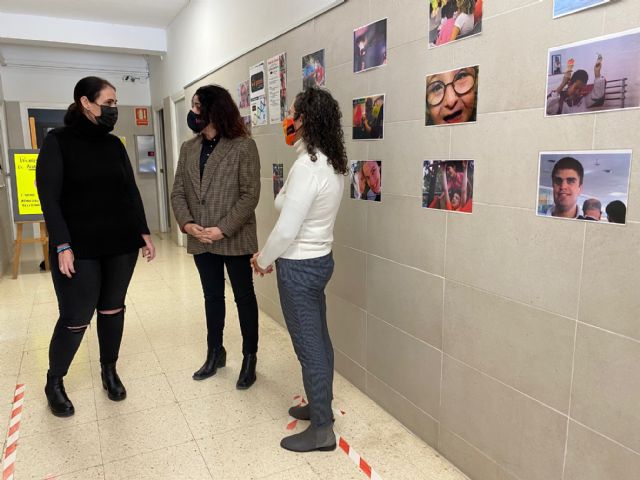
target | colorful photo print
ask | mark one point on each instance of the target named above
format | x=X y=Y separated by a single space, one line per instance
x=452 y=20
x=368 y=118
x=277 y=85
x=278 y=178
x=247 y=123
x=313 y=70
x=256 y=80
x=259 y=111
x=370 y=46
x=596 y=75
x=452 y=97
x=566 y=7
x=448 y=185
x=587 y=185
x=243 y=94
x=366 y=180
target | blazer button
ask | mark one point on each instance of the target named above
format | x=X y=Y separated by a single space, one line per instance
x=202 y=202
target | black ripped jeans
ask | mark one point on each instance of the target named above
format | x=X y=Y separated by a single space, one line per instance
x=99 y=283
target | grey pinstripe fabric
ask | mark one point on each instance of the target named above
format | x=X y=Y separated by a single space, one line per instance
x=301 y=284
x=226 y=197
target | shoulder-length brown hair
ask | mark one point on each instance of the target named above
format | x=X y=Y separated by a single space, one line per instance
x=217 y=106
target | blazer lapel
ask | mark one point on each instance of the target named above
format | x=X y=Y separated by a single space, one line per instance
x=193 y=166
x=221 y=150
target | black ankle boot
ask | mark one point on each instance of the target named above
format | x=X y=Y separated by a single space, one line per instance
x=216 y=358
x=59 y=403
x=111 y=382
x=247 y=372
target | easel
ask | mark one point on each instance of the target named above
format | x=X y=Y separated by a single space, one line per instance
x=20 y=240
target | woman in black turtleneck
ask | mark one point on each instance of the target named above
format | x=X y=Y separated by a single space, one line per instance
x=96 y=222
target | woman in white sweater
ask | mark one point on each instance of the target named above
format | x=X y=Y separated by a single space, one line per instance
x=300 y=246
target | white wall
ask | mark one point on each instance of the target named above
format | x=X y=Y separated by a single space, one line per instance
x=207 y=35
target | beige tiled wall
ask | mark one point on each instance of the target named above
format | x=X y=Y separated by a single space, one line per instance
x=509 y=342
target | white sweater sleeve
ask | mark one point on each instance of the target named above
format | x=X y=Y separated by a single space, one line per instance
x=301 y=191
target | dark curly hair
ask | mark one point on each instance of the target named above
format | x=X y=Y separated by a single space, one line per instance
x=217 y=106
x=321 y=129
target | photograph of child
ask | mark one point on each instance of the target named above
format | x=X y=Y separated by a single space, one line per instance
x=313 y=70
x=366 y=180
x=243 y=94
x=600 y=74
x=368 y=117
x=278 y=178
x=448 y=185
x=370 y=46
x=451 y=20
x=452 y=97
x=566 y=7
x=586 y=185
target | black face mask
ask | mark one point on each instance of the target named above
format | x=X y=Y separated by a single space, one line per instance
x=108 y=116
x=194 y=121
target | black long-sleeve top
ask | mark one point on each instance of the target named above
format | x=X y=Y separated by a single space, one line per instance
x=88 y=192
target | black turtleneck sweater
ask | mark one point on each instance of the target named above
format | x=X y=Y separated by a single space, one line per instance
x=88 y=192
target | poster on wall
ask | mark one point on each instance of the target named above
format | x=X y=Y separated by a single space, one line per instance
x=368 y=117
x=277 y=78
x=370 y=46
x=24 y=192
x=566 y=7
x=243 y=94
x=448 y=185
x=584 y=185
x=256 y=80
x=366 y=180
x=453 y=20
x=278 y=178
x=247 y=123
x=142 y=116
x=259 y=111
x=452 y=97
x=596 y=75
x=313 y=70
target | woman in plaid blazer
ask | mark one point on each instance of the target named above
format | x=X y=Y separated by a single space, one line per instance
x=215 y=193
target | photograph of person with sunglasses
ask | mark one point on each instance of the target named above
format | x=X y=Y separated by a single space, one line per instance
x=452 y=97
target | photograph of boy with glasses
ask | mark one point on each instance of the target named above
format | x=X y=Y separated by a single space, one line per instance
x=452 y=97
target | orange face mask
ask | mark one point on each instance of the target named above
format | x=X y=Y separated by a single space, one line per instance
x=289 y=131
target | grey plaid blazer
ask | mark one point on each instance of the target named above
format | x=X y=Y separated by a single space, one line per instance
x=225 y=198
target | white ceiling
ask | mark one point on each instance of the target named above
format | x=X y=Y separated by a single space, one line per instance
x=148 y=13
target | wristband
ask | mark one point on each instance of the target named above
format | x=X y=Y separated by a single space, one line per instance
x=62 y=249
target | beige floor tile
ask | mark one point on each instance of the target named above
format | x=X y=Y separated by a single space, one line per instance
x=134 y=341
x=177 y=335
x=37 y=418
x=141 y=432
x=222 y=412
x=34 y=360
x=250 y=452
x=182 y=462
x=184 y=357
x=186 y=388
x=94 y=473
x=78 y=378
x=69 y=450
x=298 y=473
x=139 y=365
x=142 y=394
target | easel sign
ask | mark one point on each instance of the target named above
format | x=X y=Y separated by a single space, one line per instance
x=24 y=192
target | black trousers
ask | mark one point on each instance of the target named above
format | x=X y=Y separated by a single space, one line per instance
x=211 y=269
x=99 y=283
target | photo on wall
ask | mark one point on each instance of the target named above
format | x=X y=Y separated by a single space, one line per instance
x=368 y=117
x=370 y=46
x=259 y=111
x=448 y=185
x=453 y=20
x=566 y=7
x=584 y=185
x=452 y=97
x=596 y=75
x=243 y=94
x=256 y=80
x=247 y=123
x=277 y=85
x=278 y=178
x=366 y=180
x=313 y=70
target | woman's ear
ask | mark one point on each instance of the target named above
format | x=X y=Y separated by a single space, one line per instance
x=84 y=101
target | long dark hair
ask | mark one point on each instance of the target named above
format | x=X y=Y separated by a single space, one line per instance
x=89 y=87
x=217 y=107
x=321 y=129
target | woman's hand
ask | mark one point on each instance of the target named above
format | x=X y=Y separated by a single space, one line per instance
x=149 y=250
x=256 y=268
x=197 y=231
x=213 y=233
x=65 y=262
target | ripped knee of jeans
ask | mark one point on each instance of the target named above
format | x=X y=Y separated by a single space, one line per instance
x=78 y=329
x=106 y=312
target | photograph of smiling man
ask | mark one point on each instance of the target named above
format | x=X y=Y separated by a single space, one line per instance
x=452 y=97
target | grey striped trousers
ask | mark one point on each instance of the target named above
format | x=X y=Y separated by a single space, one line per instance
x=301 y=285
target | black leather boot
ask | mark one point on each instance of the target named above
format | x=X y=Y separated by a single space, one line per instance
x=111 y=382
x=216 y=358
x=247 y=372
x=59 y=403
